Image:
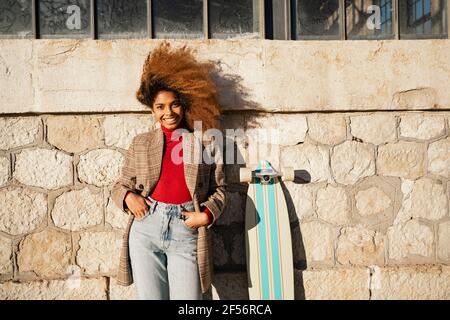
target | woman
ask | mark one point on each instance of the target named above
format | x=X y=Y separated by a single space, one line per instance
x=172 y=199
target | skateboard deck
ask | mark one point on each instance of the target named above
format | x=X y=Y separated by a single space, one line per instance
x=268 y=236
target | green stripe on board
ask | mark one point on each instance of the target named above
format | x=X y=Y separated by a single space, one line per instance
x=276 y=265
x=262 y=239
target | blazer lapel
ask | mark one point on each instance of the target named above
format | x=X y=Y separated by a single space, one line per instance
x=155 y=157
x=192 y=157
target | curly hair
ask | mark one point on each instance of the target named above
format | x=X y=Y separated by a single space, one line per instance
x=177 y=70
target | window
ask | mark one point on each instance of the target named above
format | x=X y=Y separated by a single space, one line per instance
x=317 y=19
x=121 y=19
x=64 y=18
x=423 y=19
x=368 y=19
x=225 y=19
x=16 y=19
x=106 y=19
x=178 y=18
x=228 y=19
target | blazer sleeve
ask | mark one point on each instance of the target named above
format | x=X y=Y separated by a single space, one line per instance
x=217 y=191
x=126 y=181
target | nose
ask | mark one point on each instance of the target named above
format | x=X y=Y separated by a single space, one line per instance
x=168 y=111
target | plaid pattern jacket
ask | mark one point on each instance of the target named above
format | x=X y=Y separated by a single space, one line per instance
x=205 y=181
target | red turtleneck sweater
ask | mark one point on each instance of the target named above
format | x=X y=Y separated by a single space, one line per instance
x=172 y=174
x=171 y=186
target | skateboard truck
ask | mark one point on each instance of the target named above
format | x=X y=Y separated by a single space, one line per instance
x=265 y=174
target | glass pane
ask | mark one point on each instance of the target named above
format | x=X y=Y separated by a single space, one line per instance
x=229 y=19
x=177 y=18
x=64 y=18
x=423 y=19
x=369 y=19
x=122 y=18
x=15 y=19
x=317 y=19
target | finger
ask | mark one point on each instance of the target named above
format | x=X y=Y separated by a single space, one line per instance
x=187 y=214
x=139 y=214
x=188 y=224
x=148 y=201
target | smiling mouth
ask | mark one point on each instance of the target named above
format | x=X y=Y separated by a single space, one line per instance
x=172 y=120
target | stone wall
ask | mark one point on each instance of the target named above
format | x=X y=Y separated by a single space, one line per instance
x=370 y=144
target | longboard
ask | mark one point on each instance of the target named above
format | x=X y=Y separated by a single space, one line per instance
x=268 y=236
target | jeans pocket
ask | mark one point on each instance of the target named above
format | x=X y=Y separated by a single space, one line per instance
x=193 y=230
x=148 y=212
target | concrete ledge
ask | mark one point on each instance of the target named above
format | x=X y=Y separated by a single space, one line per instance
x=102 y=76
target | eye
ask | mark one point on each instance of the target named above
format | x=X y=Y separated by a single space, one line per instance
x=159 y=107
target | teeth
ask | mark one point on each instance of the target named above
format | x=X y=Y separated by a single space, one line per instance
x=170 y=120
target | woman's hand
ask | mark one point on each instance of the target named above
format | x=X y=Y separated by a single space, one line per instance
x=195 y=220
x=137 y=204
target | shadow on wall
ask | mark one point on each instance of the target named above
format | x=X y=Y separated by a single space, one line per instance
x=232 y=93
x=233 y=285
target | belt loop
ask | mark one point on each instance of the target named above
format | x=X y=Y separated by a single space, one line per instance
x=154 y=205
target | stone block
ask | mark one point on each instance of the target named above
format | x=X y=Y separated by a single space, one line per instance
x=49 y=169
x=75 y=133
x=310 y=158
x=46 y=253
x=18 y=132
x=99 y=252
x=22 y=210
x=352 y=161
x=402 y=159
x=327 y=128
x=422 y=127
x=100 y=167
x=376 y=128
x=439 y=157
x=78 y=209
x=333 y=205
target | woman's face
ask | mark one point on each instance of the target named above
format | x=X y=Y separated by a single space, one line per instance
x=167 y=109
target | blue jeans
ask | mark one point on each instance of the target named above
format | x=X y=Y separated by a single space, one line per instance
x=163 y=253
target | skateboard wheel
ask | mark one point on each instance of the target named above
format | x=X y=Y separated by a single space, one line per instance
x=245 y=175
x=288 y=174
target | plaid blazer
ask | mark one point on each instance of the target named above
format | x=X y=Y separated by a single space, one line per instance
x=205 y=181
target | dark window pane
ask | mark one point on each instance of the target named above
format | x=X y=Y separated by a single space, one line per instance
x=64 y=18
x=177 y=18
x=122 y=18
x=369 y=19
x=423 y=18
x=15 y=19
x=317 y=19
x=234 y=18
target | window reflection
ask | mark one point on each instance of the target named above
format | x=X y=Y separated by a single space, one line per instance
x=423 y=18
x=64 y=18
x=177 y=18
x=369 y=19
x=317 y=19
x=122 y=18
x=234 y=18
x=15 y=18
